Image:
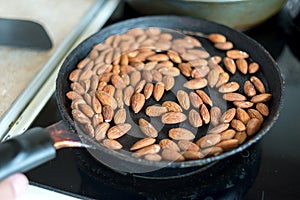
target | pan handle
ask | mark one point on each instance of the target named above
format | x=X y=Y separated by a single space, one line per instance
x=26 y=151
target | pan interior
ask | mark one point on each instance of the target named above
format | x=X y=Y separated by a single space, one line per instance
x=122 y=161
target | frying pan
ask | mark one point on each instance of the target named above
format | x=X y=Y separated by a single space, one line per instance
x=119 y=161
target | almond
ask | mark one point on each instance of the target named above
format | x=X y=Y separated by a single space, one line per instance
x=148 y=90
x=155 y=111
x=224 y=45
x=142 y=143
x=120 y=116
x=200 y=72
x=204 y=114
x=153 y=157
x=169 y=82
x=185 y=69
x=249 y=89
x=212 y=151
x=171 y=155
x=253 y=126
x=140 y=86
x=227 y=134
x=213 y=77
x=192 y=155
x=205 y=98
x=228 y=115
x=173 y=118
x=215 y=115
x=208 y=140
x=218 y=129
x=181 y=134
x=262 y=108
x=229 y=87
x=137 y=102
x=258 y=84
x=112 y=144
x=173 y=55
x=196 y=83
x=228 y=144
x=168 y=144
x=80 y=117
x=117 y=81
x=243 y=104
x=195 y=118
x=237 y=125
x=223 y=78
x=241 y=136
x=195 y=100
x=183 y=99
x=86 y=109
x=260 y=98
x=242 y=65
x=186 y=145
x=147 y=128
x=255 y=114
x=158 y=57
x=119 y=98
x=231 y=96
x=229 y=65
x=253 y=67
x=216 y=38
x=106 y=99
x=242 y=115
x=118 y=131
x=158 y=90
x=172 y=106
x=101 y=130
x=151 y=149
x=108 y=113
x=236 y=54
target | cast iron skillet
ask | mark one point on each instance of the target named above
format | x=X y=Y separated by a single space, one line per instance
x=120 y=162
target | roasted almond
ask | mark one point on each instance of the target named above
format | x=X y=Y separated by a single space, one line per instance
x=119 y=98
x=216 y=38
x=118 y=82
x=101 y=130
x=237 y=125
x=255 y=114
x=173 y=55
x=142 y=143
x=183 y=99
x=223 y=78
x=205 y=114
x=243 y=104
x=258 y=84
x=185 y=69
x=196 y=83
x=155 y=111
x=137 y=102
x=148 y=90
x=242 y=115
x=108 y=113
x=208 y=140
x=253 y=126
x=140 y=86
x=218 y=129
x=168 y=82
x=249 y=89
x=262 y=108
x=213 y=77
x=212 y=151
x=118 y=131
x=224 y=45
x=200 y=72
x=195 y=118
x=186 y=145
x=153 y=157
x=232 y=96
x=228 y=115
x=215 y=115
x=168 y=144
x=181 y=134
x=241 y=136
x=227 y=134
x=229 y=65
x=253 y=67
x=173 y=117
x=261 y=98
x=228 y=144
x=158 y=91
x=192 y=155
x=195 y=100
x=229 y=87
x=147 y=128
x=205 y=98
x=80 y=117
x=112 y=144
x=86 y=109
x=120 y=116
x=106 y=99
x=236 y=54
x=151 y=149
x=242 y=65
x=171 y=155
x=172 y=106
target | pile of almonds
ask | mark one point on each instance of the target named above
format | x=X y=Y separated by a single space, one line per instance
x=160 y=75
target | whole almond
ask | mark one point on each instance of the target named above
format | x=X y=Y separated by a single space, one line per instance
x=168 y=144
x=169 y=82
x=147 y=128
x=236 y=54
x=208 y=140
x=242 y=65
x=89 y=130
x=228 y=115
x=237 y=125
x=86 y=109
x=181 y=134
x=155 y=111
x=120 y=116
x=205 y=98
x=74 y=75
x=108 y=113
x=224 y=45
x=253 y=67
x=200 y=53
x=172 y=106
x=148 y=90
x=228 y=144
x=195 y=118
x=229 y=87
x=158 y=57
x=229 y=65
x=173 y=55
x=118 y=131
x=183 y=99
x=173 y=117
x=216 y=38
x=262 y=108
x=106 y=99
x=137 y=102
x=213 y=77
x=151 y=149
x=241 y=136
x=147 y=76
x=157 y=76
x=142 y=143
x=80 y=117
x=171 y=155
x=249 y=89
x=112 y=144
x=140 y=86
x=242 y=115
x=261 y=98
x=97 y=119
x=195 y=100
x=253 y=126
x=119 y=98
x=227 y=134
x=158 y=91
x=243 y=104
x=218 y=129
x=171 y=71
x=96 y=105
x=255 y=114
x=186 y=145
x=135 y=77
x=215 y=115
x=258 y=84
x=192 y=155
x=223 y=78
x=117 y=81
x=232 y=96
x=196 y=83
x=200 y=72
x=78 y=88
x=205 y=114
x=185 y=69
x=101 y=130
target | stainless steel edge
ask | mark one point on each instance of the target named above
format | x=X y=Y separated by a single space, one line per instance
x=28 y=105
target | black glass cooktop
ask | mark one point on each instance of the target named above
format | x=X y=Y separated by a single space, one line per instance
x=267 y=170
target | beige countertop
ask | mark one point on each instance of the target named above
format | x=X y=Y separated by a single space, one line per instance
x=19 y=66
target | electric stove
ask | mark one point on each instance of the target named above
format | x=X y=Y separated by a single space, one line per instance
x=266 y=170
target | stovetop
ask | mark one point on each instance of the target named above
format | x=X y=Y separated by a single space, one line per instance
x=267 y=170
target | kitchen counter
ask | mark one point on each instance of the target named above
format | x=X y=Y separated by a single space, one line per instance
x=19 y=66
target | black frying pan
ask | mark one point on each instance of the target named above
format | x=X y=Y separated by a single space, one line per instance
x=269 y=73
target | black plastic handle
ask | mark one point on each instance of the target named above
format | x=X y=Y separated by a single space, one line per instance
x=25 y=152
